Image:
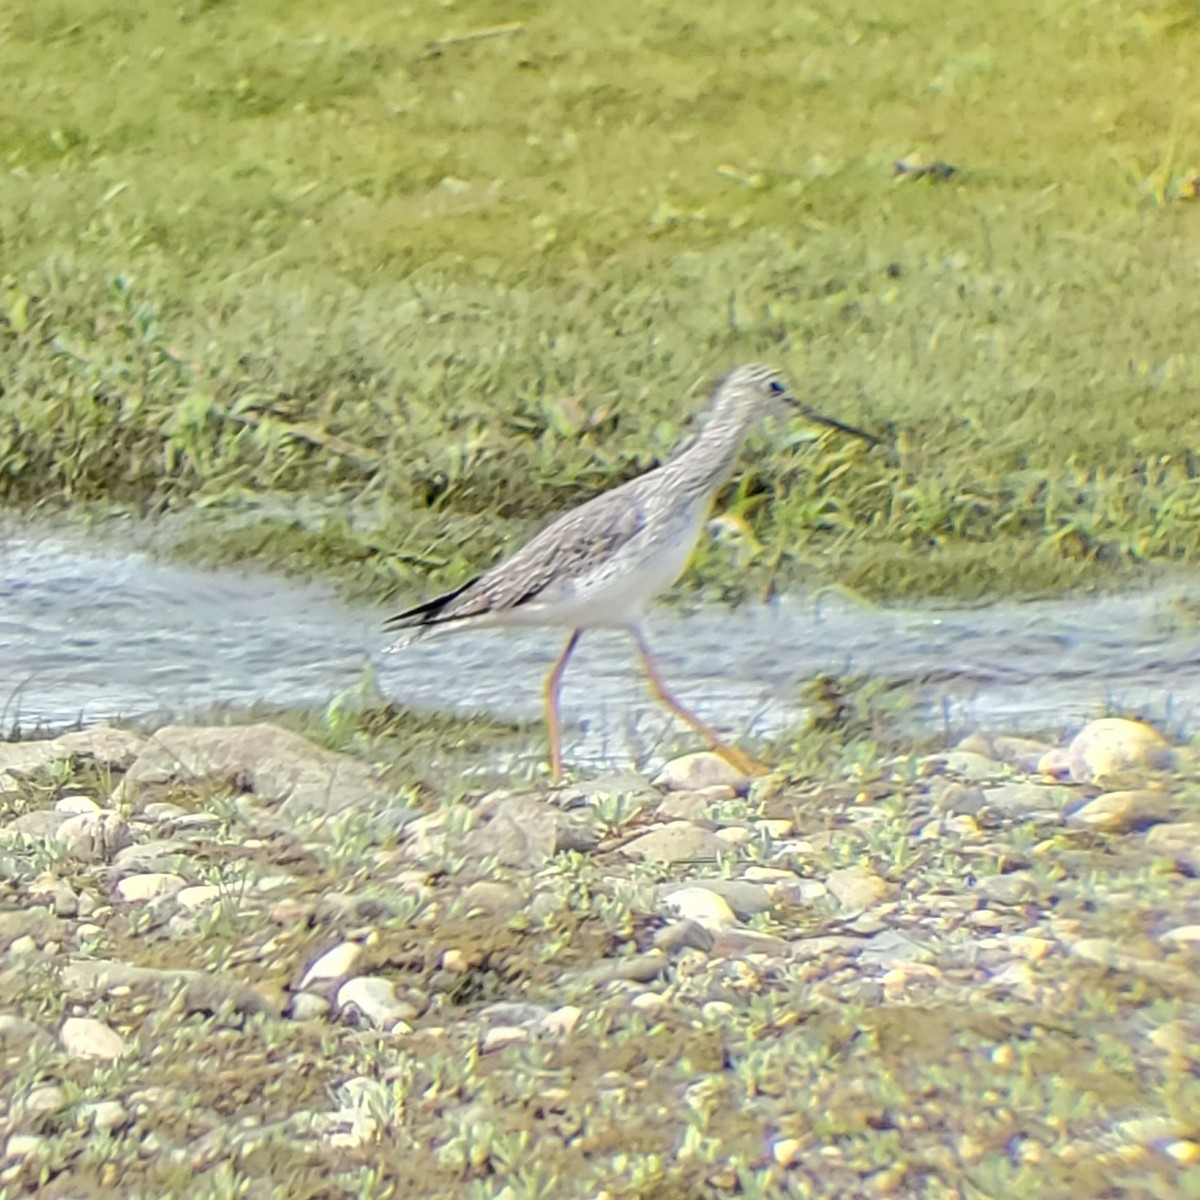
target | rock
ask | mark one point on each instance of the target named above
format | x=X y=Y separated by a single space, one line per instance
x=693 y=772
x=102 y=1115
x=337 y=963
x=893 y=946
x=1113 y=746
x=1184 y=1151
x=797 y=893
x=307 y=1007
x=683 y=935
x=735 y=835
x=160 y=854
x=1011 y=889
x=373 y=1000
x=47 y=1098
x=701 y=905
x=966 y=764
x=85 y=1037
x=58 y=893
x=500 y=1037
x=1106 y=953
x=678 y=841
x=21 y=1146
x=776 y=828
x=1182 y=935
x=1025 y=799
x=21 y=759
x=488 y=896
x=648 y=1001
x=561 y=1021
x=739 y=943
x=153 y=885
x=197 y=896
x=72 y=806
x=747 y=899
x=36 y=825
x=103 y=745
x=685 y=806
x=94 y=836
x=1022 y=753
x=38 y=924
x=787 y=1151
x=1123 y=812
x=524 y=832
x=513 y=1012
x=855 y=888
x=953 y=797
x=16 y=1031
x=1056 y=763
x=274 y=764
x=636 y=968
x=1178 y=840
x=195 y=991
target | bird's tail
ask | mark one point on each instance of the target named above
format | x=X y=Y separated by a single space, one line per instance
x=424 y=619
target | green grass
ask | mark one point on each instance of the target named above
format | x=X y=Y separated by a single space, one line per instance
x=345 y=290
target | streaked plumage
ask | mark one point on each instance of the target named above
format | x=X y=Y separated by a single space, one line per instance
x=599 y=565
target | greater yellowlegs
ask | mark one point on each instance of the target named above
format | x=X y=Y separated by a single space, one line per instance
x=600 y=565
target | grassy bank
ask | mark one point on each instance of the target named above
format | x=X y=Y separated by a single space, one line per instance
x=345 y=279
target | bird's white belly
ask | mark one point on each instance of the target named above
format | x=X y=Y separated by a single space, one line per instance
x=617 y=591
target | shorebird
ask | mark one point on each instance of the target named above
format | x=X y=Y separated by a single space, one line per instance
x=598 y=566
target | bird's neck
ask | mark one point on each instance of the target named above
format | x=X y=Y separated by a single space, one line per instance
x=709 y=460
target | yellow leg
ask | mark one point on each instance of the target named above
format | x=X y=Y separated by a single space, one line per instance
x=550 y=692
x=660 y=691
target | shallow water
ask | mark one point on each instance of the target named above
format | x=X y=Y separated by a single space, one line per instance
x=90 y=631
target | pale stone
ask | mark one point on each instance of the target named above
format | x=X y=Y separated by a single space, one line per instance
x=1183 y=935
x=692 y=772
x=701 y=905
x=94 y=836
x=24 y=1145
x=1114 y=746
x=275 y=764
x=375 y=999
x=103 y=1115
x=1184 y=1151
x=1179 y=840
x=736 y=835
x=787 y=1151
x=1006 y=889
x=72 y=806
x=307 y=1007
x=561 y=1021
x=1123 y=812
x=85 y=1037
x=648 y=1002
x=1056 y=763
x=198 y=896
x=106 y=746
x=152 y=885
x=500 y=1037
x=337 y=963
x=456 y=962
x=855 y=888
x=678 y=841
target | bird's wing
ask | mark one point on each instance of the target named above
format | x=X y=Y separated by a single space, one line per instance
x=566 y=549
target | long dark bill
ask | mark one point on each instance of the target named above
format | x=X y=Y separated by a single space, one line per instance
x=820 y=419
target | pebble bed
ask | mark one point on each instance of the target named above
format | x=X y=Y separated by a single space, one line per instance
x=237 y=964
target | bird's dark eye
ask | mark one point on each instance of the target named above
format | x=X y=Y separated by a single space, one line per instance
x=776 y=388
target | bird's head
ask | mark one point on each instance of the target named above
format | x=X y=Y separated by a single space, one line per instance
x=758 y=389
